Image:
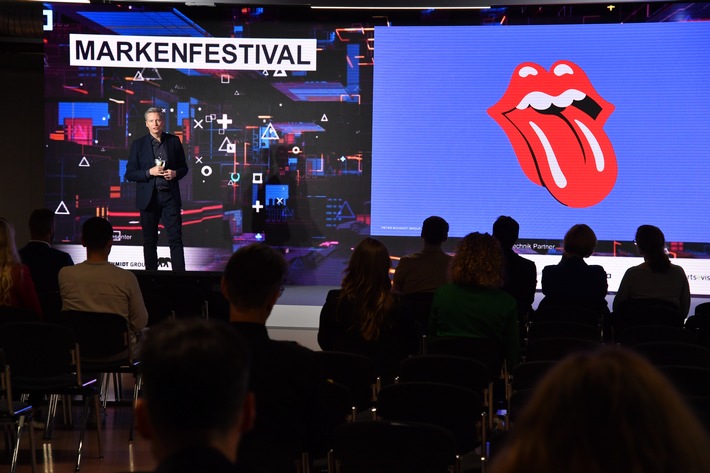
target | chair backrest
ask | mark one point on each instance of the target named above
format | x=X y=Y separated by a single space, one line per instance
x=164 y=301
x=452 y=407
x=386 y=447
x=563 y=328
x=655 y=333
x=487 y=351
x=673 y=353
x=646 y=312
x=40 y=351
x=688 y=380
x=447 y=369
x=101 y=336
x=702 y=309
x=356 y=372
x=527 y=375
x=568 y=313
x=557 y=348
x=9 y=315
x=418 y=305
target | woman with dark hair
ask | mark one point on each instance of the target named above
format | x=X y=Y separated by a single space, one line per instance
x=365 y=316
x=608 y=411
x=473 y=305
x=16 y=286
x=572 y=282
x=656 y=278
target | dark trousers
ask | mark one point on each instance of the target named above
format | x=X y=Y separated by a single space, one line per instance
x=162 y=207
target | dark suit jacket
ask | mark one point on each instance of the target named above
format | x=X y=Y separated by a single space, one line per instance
x=286 y=384
x=573 y=282
x=141 y=160
x=44 y=263
x=520 y=280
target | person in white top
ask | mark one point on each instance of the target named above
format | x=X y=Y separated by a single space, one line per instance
x=655 y=278
x=96 y=285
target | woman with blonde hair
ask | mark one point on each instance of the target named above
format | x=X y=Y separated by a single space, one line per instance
x=608 y=411
x=365 y=316
x=16 y=286
x=473 y=305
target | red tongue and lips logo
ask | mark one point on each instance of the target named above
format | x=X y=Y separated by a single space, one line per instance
x=554 y=121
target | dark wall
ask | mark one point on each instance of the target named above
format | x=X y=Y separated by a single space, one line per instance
x=21 y=123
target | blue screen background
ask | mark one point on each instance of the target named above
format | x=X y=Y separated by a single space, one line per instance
x=436 y=151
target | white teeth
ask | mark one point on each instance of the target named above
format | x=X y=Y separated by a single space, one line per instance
x=543 y=101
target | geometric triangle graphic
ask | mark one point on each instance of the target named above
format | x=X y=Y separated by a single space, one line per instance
x=324 y=118
x=348 y=211
x=62 y=209
x=151 y=73
x=84 y=163
x=227 y=146
x=138 y=77
x=280 y=74
x=270 y=133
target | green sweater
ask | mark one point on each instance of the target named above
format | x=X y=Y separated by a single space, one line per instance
x=477 y=312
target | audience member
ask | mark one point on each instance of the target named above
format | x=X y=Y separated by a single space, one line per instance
x=605 y=412
x=473 y=305
x=364 y=316
x=572 y=282
x=656 y=277
x=520 y=275
x=284 y=376
x=195 y=406
x=99 y=286
x=426 y=270
x=43 y=260
x=16 y=286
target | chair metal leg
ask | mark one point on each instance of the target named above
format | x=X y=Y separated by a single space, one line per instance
x=84 y=421
x=136 y=390
x=98 y=424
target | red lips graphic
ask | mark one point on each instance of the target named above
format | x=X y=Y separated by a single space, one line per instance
x=554 y=121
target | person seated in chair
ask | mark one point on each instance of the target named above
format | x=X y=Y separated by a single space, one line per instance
x=44 y=261
x=572 y=282
x=284 y=375
x=656 y=278
x=96 y=285
x=473 y=305
x=520 y=278
x=195 y=406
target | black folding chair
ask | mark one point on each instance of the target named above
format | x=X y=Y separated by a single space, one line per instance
x=356 y=372
x=45 y=360
x=457 y=409
x=672 y=353
x=557 y=348
x=391 y=446
x=106 y=348
x=15 y=415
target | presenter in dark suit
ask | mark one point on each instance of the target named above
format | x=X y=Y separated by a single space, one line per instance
x=156 y=164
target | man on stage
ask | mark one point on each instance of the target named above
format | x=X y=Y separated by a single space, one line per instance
x=156 y=164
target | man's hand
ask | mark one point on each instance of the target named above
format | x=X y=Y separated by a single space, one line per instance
x=157 y=170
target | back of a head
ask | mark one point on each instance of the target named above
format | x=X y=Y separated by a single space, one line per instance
x=253 y=274
x=368 y=268
x=478 y=261
x=651 y=243
x=506 y=230
x=580 y=240
x=195 y=377
x=608 y=411
x=41 y=223
x=96 y=233
x=435 y=230
x=8 y=249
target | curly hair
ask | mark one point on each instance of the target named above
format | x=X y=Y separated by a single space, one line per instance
x=478 y=261
x=367 y=285
x=9 y=259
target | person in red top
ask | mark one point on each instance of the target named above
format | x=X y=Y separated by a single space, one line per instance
x=16 y=286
